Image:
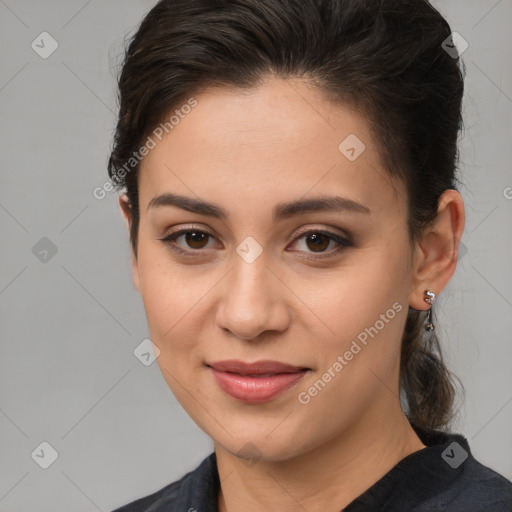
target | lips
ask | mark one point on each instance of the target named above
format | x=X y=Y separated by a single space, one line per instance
x=256 y=382
x=257 y=368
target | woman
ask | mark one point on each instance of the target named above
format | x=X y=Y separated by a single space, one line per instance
x=291 y=199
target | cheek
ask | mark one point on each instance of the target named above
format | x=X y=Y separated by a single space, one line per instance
x=365 y=309
x=357 y=297
x=175 y=316
x=365 y=347
x=171 y=295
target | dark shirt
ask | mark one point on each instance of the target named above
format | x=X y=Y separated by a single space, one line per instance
x=442 y=477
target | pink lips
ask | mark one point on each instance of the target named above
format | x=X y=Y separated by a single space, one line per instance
x=255 y=382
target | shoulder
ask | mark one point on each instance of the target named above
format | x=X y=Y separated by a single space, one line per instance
x=177 y=495
x=165 y=496
x=478 y=488
x=442 y=477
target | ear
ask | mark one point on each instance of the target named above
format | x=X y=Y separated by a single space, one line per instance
x=436 y=253
x=126 y=211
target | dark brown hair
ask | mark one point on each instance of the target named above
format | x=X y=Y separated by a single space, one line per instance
x=385 y=58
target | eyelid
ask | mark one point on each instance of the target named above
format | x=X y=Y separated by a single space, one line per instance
x=187 y=228
x=320 y=229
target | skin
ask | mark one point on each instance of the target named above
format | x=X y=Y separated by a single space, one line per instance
x=246 y=152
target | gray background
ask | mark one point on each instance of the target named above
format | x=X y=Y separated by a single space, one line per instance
x=70 y=323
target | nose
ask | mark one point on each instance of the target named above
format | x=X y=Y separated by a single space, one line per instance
x=253 y=300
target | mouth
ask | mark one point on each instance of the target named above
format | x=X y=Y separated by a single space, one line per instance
x=256 y=382
x=258 y=368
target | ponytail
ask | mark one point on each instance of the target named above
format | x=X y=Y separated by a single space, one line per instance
x=427 y=386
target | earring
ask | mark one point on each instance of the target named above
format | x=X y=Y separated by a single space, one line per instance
x=430 y=297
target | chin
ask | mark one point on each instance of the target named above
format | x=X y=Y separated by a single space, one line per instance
x=251 y=449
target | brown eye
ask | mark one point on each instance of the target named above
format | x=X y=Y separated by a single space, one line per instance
x=317 y=242
x=196 y=239
x=312 y=241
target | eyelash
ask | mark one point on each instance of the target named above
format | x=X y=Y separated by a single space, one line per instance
x=170 y=241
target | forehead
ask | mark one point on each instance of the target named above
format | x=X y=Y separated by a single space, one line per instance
x=255 y=148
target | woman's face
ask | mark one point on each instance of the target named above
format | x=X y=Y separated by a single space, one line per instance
x=264 y=281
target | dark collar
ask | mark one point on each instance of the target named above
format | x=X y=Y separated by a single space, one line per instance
x=415 y=479
x=420 y=477
x=443 y=476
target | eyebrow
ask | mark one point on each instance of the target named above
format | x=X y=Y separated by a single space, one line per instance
x=280 y=212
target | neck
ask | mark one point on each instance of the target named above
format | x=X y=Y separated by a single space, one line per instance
x=326 y=478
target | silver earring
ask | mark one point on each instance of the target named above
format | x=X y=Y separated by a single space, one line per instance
x=430 y=297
